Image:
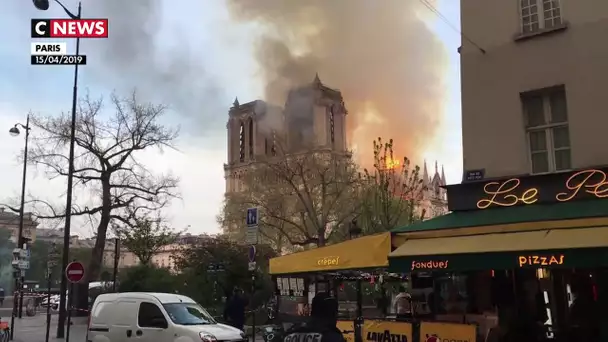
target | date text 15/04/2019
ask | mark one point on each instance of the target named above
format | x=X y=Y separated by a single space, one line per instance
x=59 y=60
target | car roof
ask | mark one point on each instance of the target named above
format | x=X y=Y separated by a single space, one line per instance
x=163 y=298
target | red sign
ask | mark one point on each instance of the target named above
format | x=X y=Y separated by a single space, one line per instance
x=74 y=272
x=69 y=28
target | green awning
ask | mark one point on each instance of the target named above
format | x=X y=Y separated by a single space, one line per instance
x=569 y=248
x=526 y=213
x=567 y=258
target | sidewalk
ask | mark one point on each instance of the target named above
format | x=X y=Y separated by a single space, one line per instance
x=33 y=329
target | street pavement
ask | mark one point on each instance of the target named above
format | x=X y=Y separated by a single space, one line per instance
x=33 y=329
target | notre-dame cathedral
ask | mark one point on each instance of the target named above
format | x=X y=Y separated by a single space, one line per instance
x=314 y=116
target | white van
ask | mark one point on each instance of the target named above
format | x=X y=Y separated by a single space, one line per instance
x=155 y=317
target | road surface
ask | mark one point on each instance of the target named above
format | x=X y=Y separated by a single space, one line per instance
x=33 y=329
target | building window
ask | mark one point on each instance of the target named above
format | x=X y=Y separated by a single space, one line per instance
x=332 y=123
x=250 y=138
x=242 y=143
x=273 y=149
x=539 y=14
x=546 y=117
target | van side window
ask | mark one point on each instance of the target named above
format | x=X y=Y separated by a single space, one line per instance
x=148 y=312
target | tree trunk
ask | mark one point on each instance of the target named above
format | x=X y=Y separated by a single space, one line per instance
x=321 y=238
x=94 y=268
x=102 y=229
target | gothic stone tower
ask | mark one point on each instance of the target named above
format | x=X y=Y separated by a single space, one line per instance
x=247 y=139
x=315 y=117
x=434 y=199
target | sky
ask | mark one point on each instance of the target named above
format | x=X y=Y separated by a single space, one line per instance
x=190 y=46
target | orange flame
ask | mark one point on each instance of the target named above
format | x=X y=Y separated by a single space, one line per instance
x=392 y=163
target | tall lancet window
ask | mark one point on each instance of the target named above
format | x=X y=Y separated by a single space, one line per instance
x=332 y=109
x=251 y=138
x=242 y=142
x=273 y=149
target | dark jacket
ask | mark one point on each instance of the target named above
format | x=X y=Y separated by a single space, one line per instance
x=316 y=330
x=235 y=310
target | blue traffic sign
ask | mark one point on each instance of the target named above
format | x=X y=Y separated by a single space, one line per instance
x=252 y=253
x=252 y=217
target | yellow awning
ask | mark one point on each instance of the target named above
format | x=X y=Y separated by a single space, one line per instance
x=556 y=239
x=365 y=252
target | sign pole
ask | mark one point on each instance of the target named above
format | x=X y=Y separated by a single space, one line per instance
x=252 y=219
x=252 y=267
x=252 y=308
x=51 y=262
x=48 y=305
x=70 y=295
x=74 y=273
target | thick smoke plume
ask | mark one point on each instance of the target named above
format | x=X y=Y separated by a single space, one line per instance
x=162 y=70
x=380 y=54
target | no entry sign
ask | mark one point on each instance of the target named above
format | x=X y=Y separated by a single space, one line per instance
x=252 y=253
x=74 y=272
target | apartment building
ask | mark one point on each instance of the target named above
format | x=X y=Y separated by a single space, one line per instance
x=534 y=85
x=10 y=220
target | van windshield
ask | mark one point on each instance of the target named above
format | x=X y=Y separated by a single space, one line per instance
x=188 y=314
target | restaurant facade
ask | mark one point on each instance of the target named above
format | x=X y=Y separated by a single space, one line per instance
x=533 y=246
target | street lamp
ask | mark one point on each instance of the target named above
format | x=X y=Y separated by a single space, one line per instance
x=44 y=5
x=14 y=131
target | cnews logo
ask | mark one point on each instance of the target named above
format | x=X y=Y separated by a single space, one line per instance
x=69 y=28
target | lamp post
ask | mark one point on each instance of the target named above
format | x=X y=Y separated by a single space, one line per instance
x=20 y=279
x=44 y=5
x=354 y=231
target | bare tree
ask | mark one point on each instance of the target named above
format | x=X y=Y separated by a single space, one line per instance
x=145 y=236
x=105 y=164
x=302 y=196
x=390 y=192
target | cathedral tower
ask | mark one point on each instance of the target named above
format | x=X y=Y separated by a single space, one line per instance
x=315 y=117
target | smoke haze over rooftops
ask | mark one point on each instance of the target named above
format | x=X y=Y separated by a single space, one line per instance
x=380 y=54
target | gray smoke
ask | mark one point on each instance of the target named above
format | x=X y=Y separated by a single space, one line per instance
x=380 y=54
x=171 y=72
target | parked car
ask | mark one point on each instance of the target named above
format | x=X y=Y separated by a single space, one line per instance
x=155 y=317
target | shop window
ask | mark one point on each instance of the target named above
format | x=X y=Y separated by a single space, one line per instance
x=452 y=296
x=347 y=299
x=546 y=118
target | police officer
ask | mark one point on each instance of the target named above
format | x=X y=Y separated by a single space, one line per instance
x=322 y=324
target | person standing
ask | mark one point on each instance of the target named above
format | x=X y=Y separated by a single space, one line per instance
x=403 y=304
x=322 y=325
x=1 y=296
x=234 y=313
